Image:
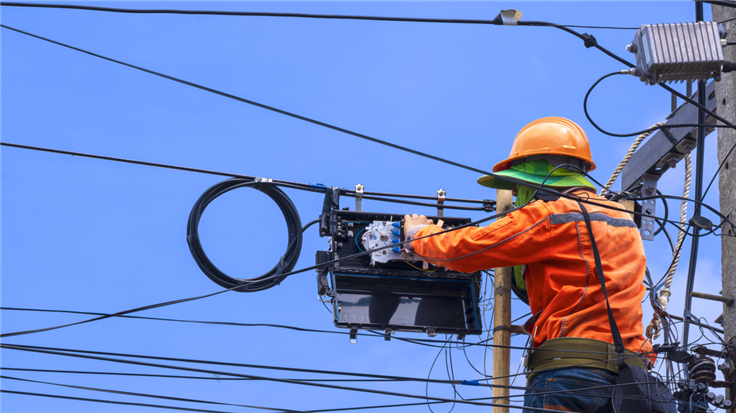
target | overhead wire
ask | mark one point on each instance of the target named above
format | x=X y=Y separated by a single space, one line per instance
x=172 y=376
x=272 y=14
x=378 y=196
x=329 y=126
x=539 y=188
x=726 y=124
x=57 y=396
x=466 y=167
x=312 y=384
x=147 y=395
x=95 y=355
x=288 y=184
x=74 y=352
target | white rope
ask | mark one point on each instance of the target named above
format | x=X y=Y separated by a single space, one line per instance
x=654 y=328
x=624 y=161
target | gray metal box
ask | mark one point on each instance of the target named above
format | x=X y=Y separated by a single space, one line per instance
x=677 y=52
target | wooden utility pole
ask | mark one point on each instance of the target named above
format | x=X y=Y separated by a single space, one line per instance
x=502 y=318
x=726 y=95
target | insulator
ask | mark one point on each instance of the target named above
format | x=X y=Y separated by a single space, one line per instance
x=702 y=369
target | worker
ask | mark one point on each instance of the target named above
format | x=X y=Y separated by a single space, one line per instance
x=548 y=244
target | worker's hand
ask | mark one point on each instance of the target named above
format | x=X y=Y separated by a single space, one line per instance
x=410 y=221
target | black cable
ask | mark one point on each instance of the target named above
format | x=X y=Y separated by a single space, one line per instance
x=153 y=396
x=724 y=219
x=540 y=187
x=68 y=352
x=18 y=333
x=311 y=410
x=287 y=262
x=400 y=201
x=323 y=385
x=375 y=140
x=723 y=162
x=267 y=14
x=287 y=184
x=260 y=105
x=227 y=323
x=171 y=376
x=426 y=385
x=726 y=124
x=283 y=112
x=519 y=318
x=56 y=396
x=75 y=353
x=326 y=125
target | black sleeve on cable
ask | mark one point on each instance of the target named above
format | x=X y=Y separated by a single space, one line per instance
x=287 y=262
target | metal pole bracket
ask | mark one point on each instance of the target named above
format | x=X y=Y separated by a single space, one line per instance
x=359 y=189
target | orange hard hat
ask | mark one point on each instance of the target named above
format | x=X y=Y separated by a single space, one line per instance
x=549 y=136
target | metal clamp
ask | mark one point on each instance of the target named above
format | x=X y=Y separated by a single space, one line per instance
x=648 y=207
x=441 y=194
x=509 y=17
x=359 y=197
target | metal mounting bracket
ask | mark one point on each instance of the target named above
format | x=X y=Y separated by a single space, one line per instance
x=440 y=202
x=648 y=206
x=359 y=189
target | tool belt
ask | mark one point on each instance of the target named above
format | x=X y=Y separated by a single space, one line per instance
x=559 y=353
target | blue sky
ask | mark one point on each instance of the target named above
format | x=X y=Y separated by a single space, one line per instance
x=91 y=235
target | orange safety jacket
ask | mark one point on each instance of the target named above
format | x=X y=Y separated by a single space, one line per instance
x=551 y=237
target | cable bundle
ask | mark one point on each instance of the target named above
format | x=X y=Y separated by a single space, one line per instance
x=286 y=263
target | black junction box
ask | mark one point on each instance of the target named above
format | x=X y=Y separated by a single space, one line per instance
x=394 y=295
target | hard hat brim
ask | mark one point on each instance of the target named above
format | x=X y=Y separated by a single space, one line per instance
x=536 y=180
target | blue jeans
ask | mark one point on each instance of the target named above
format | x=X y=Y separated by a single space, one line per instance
x=586 y=401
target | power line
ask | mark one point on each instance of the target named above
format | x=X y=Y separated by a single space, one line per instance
x=56 y=396
x=538 y=188
x=300 y=186
x=378 y=196
x=153 y=396
x=269 y=14
x=67 y=352
x=172 y=376
x=283 y=112
x=323 y=385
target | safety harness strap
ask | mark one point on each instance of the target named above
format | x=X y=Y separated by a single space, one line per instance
x=617 y=341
